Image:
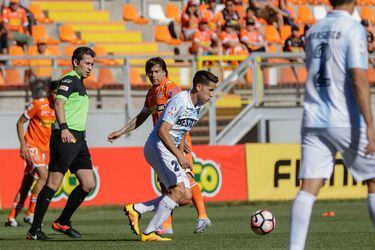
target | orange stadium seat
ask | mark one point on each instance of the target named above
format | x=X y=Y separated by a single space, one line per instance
x=298 y=2
x=162 y=35
x=17 y=51
x=272 y=35
x=100 y=51
x=172 y=11
x=286 y=31
x=129 y=13
x=304 y=15
x=40 y=32
x=67 y=34
x=287 y=76
x=91 y=83
x=105 y=77
x=371 y=75
x=2 y=81
x=367 y=13
x=13 y=78
x=301 y=75
x=39 y=14
x=136 y=79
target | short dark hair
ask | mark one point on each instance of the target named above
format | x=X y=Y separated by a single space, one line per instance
x=53 y=85
x=156 y=61
x=335 y=3
x=204 y=77
x=80 y=52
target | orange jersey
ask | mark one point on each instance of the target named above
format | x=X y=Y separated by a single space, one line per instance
x=158 y=96
x=15 y=20
x=251 y=36
x=203 y=39
x=41 y=116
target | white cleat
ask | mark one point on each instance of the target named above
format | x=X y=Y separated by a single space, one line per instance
x=11 y=223
x=202 y=225
x=29 y=219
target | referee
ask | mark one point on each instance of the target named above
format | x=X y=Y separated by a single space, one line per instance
x=68 y=147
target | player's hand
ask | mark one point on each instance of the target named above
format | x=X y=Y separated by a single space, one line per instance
x=67 y=137
x=184 y=163
x=24 y=153
x=113 y=136
x=187 y=148
x=370 y=148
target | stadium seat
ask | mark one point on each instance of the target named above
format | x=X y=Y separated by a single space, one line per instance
x=287 y=76
x=304 y=15
x=40 y=32
x=298 y=2
x=17 y=51
x=301 y=75
x=371 y=75
x=367 y=13
x=67 y=34
x=162 y=35
x=129 y=13
x=105 y=77
x=101 y=51
x=13 y=78
x=172 y=11
x=285 y=31
x=319 y=12
x=136 y=79
x=91 y=82
x=272 y=35
x=155 y=12
x=39 y=14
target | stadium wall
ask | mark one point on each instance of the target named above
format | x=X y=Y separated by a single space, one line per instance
x=250 y=172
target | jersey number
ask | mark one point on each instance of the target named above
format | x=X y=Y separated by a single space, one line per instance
x=175 y=165
x=323 y=53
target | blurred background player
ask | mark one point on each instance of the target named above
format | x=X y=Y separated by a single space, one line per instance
x=337 y=113
x=157 y=97
x=34 y=150
x=164 y=151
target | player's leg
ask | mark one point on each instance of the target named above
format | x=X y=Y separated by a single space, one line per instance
x=317 y=164
x=42 y=172
x=371 y=199
x=82 y=168
x=20 y=198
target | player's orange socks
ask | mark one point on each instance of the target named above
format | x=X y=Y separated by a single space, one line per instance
x=16 y=208
x=198 y=199
x=32 y=204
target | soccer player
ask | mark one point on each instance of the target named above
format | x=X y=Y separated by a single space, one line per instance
x=161 y=91
x=164 y=152
x=337 y=112
x=34 y=151
x=68 y=147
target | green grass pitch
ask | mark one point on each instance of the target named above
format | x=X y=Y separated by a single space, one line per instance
x=107 y=228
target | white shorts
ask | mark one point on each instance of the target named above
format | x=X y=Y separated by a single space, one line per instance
x=319 y=148
x=165 y=164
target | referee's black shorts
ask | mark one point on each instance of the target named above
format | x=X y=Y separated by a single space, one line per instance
x=72 y=156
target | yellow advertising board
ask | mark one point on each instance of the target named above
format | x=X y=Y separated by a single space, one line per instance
x=272 y=174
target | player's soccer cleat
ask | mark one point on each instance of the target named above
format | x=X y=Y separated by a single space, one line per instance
x=153 y=237
x=11 y=223
x=133 y=217
x=66 y=229
x=39 y=235
x=202 y=225
x=29 y=219
x=164 y=230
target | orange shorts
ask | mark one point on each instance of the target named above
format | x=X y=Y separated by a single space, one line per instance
x=38 y=159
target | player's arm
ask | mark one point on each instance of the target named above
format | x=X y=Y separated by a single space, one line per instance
x=363 y=97
x=167 y=140
x=134 y=123
x=181 y=146
x=24 y=153
x=358 y=63
x=63 y=92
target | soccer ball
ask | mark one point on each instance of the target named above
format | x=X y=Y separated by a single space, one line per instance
x=262 y=222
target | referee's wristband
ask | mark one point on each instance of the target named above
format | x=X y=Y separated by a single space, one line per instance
x=63 y=126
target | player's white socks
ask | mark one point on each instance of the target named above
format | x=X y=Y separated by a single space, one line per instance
x=148 y=206
x=165 y=208
x=300 y=219
x=371 y=207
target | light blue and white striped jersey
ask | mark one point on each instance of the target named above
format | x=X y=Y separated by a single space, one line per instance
x=181 y=114
x=334 y=45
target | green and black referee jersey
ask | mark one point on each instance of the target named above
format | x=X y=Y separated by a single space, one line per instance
x=73 y=156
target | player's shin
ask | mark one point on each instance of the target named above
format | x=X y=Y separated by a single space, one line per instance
x=371 y=207
x=44 y=198
x=148 y=206
x=300 y=219
x=164 y=209
x=75 y=199
x=197 y=199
